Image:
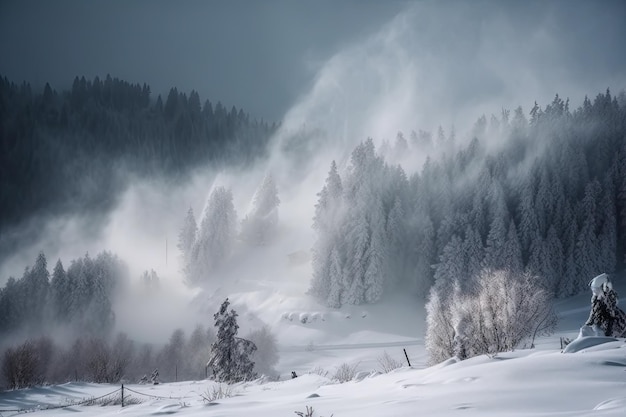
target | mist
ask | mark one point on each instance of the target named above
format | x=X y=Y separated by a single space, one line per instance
x=431 y=65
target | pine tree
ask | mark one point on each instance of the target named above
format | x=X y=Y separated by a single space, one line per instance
x=512 y=251
x=36 y=282
x=215 y=237
x=259 y=227
x=451 y=266
x=327 y=224
x=230 y=355
x=59 y=292
x=335 y=281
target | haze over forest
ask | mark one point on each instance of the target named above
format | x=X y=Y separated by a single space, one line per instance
x=358 y=151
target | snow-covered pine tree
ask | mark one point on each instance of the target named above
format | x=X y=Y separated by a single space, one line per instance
x=512 y=251
x=215 y=238
x=605 y=315
x=586 y=251
x=326 y=224
x=36 y=284
x=451 y=266
x=259 y=227
x=375 y=275
x=59 y=292
x=230 y=355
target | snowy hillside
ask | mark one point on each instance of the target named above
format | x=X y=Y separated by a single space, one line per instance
x=538 y=382
x=529 y=383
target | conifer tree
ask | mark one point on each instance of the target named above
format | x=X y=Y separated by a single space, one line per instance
x=215 y=238
x=230 y=355
x=259 y=227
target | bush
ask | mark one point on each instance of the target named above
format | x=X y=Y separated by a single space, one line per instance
x=26 y=365
x=504 y=312
x=217 y=392
x=345 y=373
x=387 y=363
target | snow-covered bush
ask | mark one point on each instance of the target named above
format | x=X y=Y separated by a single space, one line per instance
x=345 y=373
x=387 y=363
x=217 y=392
x=503 y=312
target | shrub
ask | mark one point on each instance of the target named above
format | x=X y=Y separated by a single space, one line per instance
x=387 y=363
x=345 y=373
x=503 y=312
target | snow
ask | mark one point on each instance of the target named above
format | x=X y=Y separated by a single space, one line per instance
x=521 y=383
x=588 y=380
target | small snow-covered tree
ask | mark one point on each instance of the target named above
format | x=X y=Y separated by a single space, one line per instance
x=230 y=355
x=605 y=314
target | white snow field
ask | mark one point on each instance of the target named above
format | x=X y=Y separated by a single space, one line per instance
x=589 y=381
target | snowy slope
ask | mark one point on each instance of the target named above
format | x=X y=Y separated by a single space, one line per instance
x=591 y=381
x=523 y=383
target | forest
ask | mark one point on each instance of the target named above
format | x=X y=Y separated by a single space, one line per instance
x=72 y=151
x=543 y=195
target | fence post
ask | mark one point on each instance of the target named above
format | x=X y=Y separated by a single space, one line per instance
x=122 y=395
x=407 y=357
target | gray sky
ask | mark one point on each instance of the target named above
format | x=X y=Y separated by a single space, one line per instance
x=264 y=55
x=252 y=54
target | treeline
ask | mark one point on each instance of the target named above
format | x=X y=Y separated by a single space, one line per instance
x=78 y=300
x=41 y=360
x=544 y=195
x=73 y=149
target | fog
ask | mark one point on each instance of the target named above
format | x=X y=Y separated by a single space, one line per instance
x=433 y=64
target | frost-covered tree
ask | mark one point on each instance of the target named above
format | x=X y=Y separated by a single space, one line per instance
x=215 y=238
x=503 y=312
x=230 y=355
x=440 y=334
x=259 y=226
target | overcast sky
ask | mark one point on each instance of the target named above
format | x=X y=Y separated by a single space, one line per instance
x=264 y=55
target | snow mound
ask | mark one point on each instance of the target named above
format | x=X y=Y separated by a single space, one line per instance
x=587 y=342
x=166 y=409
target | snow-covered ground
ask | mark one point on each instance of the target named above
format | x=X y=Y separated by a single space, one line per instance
x=591 y=380
x=522 y=383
